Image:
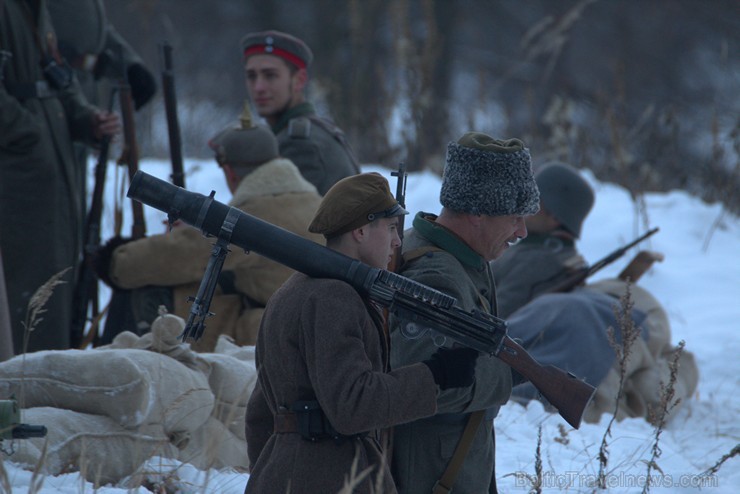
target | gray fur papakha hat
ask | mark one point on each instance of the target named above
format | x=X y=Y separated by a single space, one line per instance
x=489 y=176
x=353 y=202
x=280 y=44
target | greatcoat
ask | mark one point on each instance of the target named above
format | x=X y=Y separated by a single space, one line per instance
x=41 y=206
x=528 y=269
x=319 y=341
x=275 y=192
x=422 y=449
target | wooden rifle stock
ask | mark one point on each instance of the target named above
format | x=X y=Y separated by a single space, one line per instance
x=86 y=290
x=173 y=124
x=564 y=391
x=412 y=301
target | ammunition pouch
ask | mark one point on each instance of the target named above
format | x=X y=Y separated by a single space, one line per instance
x=311 y=423
x=59 y=76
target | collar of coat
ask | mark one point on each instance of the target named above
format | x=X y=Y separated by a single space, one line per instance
x=425 y=224
x=556 y=237
x=277 y=176
x=300 y=110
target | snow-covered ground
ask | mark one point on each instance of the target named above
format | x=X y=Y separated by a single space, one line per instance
x=699 y=285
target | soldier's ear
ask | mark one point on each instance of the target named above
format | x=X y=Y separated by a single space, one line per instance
x=300 y=79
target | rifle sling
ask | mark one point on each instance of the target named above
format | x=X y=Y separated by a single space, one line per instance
x=445 y=483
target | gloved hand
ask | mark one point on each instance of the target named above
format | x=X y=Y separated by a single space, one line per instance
x=453 y=367
x=102 y=258
x=143 y=85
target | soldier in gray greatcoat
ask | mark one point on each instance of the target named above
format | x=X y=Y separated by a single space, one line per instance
x=568 y=330
x=487 y=189
x=324 y=388
x=276 y=66
x=41 y=206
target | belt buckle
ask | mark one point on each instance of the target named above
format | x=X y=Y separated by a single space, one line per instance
x=43 y=90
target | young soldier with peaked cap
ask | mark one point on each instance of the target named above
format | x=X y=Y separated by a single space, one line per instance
x=487 y=189
x=322 y=359
x=276 y=66
x=568 y=330
x=167 y=269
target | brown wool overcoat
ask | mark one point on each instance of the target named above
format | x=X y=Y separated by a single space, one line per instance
x=275 y=192
x=318 y=342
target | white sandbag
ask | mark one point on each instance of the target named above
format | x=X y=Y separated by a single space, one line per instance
x=99 y=448
x=231 y=381
x=132 y=387
x=214 y=446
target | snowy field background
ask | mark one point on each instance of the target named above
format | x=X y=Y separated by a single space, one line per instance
x=698 y=284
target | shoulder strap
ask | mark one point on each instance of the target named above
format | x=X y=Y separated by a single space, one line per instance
x=299 y=128
x=337 y=134
x=445 y=483
x=414 y=254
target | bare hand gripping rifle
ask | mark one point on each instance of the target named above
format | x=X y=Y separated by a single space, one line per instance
x=413 y=302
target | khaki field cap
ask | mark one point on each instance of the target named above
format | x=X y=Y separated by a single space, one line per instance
x=280 y=44
x=353 y=202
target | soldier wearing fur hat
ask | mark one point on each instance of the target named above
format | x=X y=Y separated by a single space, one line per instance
x=324 y=388
x=487 y=190
x=165 y=269
x=568 y=330
x=276 y=66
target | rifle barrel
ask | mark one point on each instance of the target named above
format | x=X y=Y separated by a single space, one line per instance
x=173 y=124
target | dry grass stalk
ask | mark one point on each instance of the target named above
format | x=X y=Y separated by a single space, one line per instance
x=37 y=479
x=659 y=417
x=4 y=480
x=623 y=314
x=356 y=477
x=715 y=468
x=37 y=303
x=537 y=478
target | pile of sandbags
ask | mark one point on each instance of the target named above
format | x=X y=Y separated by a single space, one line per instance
x=107 y=410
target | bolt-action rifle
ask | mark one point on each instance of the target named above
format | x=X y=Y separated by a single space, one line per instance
x=130 y=152
x=120 y=300
x=401 y=177
x=409 y=301
x=582 y=274
x=86 y=290
x=170 y=106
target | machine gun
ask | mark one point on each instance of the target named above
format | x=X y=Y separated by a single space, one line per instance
x=11 y=427
x=418 y=305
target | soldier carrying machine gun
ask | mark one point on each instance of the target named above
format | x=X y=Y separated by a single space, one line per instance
x=419 y=305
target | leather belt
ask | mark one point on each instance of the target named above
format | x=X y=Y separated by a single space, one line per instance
x=285 y=423
x=30 y=90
